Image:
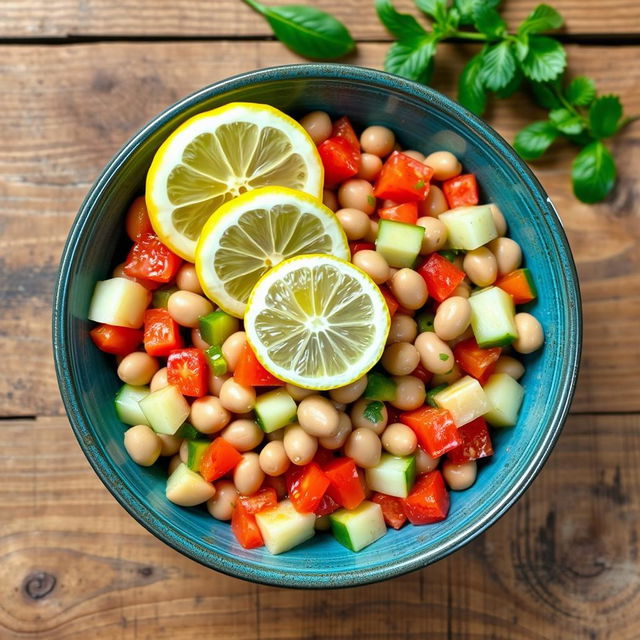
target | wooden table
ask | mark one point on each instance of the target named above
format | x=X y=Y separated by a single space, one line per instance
x=78 y=78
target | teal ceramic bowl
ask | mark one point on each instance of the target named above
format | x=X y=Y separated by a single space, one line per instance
x=425 y=120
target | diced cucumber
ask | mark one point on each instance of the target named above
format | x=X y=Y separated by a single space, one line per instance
x=358 y=528
x=392 y=475
x=187 y=431
x=493 y=317
x=469 y=227
x=432 y=393
x=465 y=400
x=217 y=363
x=380 y=387
x=505 y=398
x=217 y=326
x=425 y=321
x=165 y=409
x=161 y=296
x=283 y=528
x=188 y=488
x=274 y=410
x=120 y=302
x=127 y=407
x=449 y=254
x=195 y=451
x=399 y=242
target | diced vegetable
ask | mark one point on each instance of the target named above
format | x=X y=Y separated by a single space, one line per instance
x=441 y=277
x=195 y=452
x=399 y=243
x=342 y=128
x=380 y=387
x=305 y=486
x=187 y=488
x=461 y=191
x=327 y=506
x=389 y=298
x=161 y=333
x=465 y=400
x=217 y=326
x=116 y=340
x=431 y=394
x=137 y=221
x=392 y=509
x=119 y=302
x=127 y=408
x=429 y=500
x=425 y=320
x=434 y=428
x=476 y=442
x=161 y=296
x=250 y=373
x=403 y=179
x=493 y=317
x=519 y=285
x=360 y=527
x=282 y=527
x=392 y=475
x=470 y=227
x=165 y=409
x=354 y=247
x=188 y=432
x=274 y=410
x=216 y=360
x=264 y=499
x=149 y=258
x=187 y=370
x=245 y=527
x=505 y=398
x=219 y=458
x=406 y=212
x=345 y=486
x=422 y=373
x=474 y=360
x=340 y=160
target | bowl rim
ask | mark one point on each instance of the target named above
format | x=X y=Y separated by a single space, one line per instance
x=238 y=567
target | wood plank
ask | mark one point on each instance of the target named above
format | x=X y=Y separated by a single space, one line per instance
x=563 y=563
x=228 y=18
x=68 y=109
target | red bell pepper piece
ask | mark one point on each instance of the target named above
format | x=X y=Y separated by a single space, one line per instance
x=405 y=212
x=428 y=501
x=327 y=505
x=306 y=486
x=435 y=429
x=422 y=373
x=392 y=413
x=137 y=222
x=250 y=373
x=187 y=369
x=461 y=191
x=392 y=509
x=323 y=457
x=361 y=246
x=161 y=333
x=345 y=487
x=403 y=179
x=476 y=442
x=264 y=498
x=392 y=303
x=476 y=361
x=441 y=276
x=342 y=129
x=245 y=528
x=278 y=484
x=519 y=285
x=117 y=340
x=339 y=159
x=219 y=458
x=152 y=260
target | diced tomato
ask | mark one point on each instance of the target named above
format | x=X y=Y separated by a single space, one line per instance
x=392 y=303
x=403 y=179
x=340 y=160
x=187 y=369
x=323 y=457
x=342 y=129
x=250 y=373
x=264 y=499
x=476 y=361
x=361 y=246
x=392 y=413
x=327 y=505
x=435 y=429
x=117 y=340
x=306 y=486
x=245 y=528
x=476 y=442
x=219 y=458
x=519 y=285
x=422 y=373
x=151 y=259
x=405 y=212
x=345 y=487
x=428 y=501
x=392 y=509
x=161 y=333
x=441 y=276
x=278 y=484
x=461 y=191
x=137 y=222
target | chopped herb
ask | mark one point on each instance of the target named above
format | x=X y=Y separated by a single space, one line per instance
x=419 y=184
x=444 y=357
x=371 y=200
x=373 y=412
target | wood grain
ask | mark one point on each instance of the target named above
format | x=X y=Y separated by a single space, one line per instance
x=68 y=109
x=562 y=564
x=231 y=18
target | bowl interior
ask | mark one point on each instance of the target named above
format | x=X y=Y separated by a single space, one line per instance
x=423 y=120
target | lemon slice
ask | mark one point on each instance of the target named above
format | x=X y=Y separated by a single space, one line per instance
x=218 y=155
x=253 y=232
x=317 y=322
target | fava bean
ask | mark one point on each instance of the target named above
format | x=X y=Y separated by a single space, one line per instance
x=299 y=445
x=459 y=476
x=364 y=447
x=186 y=308
x=403 y=329
x=508 y=254
x=399 y=440
x=142 y=444
x=243 y=434
x=410 y=392
x=378 y=140
x=444 y=164
x=222 y=504
x=434 y=204
x=187 y=279
x=298 y=393
x=351 y=392
x=416 y=155
x=198 y=342
x=373 y=264
x=216 y=382
x=455 y=373
x=174 y=463
x=338 y=439
x=372 y=234
x=137 y=368
x=159 y=380
x=435 y=354
x=424 y=462
x=369 y=414
x=357 y=194
x=236 y=397
x=232 y=349
x=370 y=167
x=409 y=288
x=435 y=234
x=400 y=358
x=452 y=318
x=318 y=417
x=510 y=366
x=247 y=475
x=481 y=266
x=169 y=445
x=354 y=222
x=318 y=125
x=330 y=200
x=208 y=415
x=273 y=458
x=530 y=334
x=498 y=219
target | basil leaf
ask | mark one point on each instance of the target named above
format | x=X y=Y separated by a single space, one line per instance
x=521 y=44
x=373 y=411
x=581 y=91
x=604 y=116
x=466 y=8
x=401 y=25
x=565 y=121
x=542 y=18
x=411 y=59
x=436 y=9
x=471 y=91
x=488 y=21
x=532 y=141
x=499 y=66
x=545 y=60
x=593 y=173
x=307 y=31
x=514 y=84
x=544 y=95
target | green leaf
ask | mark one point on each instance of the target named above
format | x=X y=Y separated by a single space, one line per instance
x=567 y=122
x=373 y=411
x=401 y=25
x=581 y=91
x=436 y=9
x=514 y=84
x=593 y=173
x=604 y=116
x=545 y=60
x=532 y=141
x=499 y=66
x=545 y=96
x=542 y=18
x=308 y=31
x=412 y=59
x=521 y=44
x=471 y=91
x=488 y=21
x=466 y=8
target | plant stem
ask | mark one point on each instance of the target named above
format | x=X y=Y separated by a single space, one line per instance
x=468 y=35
